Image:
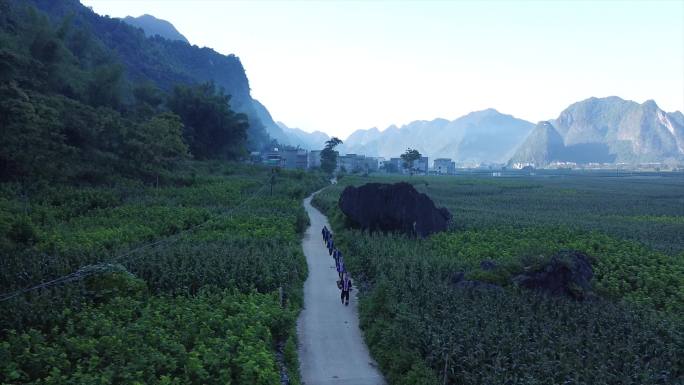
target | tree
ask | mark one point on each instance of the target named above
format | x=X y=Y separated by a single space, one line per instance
x=157 y=143
x=31 y=140
x=409 y=157
x=329 y=155
x=212 y=129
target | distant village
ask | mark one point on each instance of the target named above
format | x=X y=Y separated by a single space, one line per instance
x=297 y=158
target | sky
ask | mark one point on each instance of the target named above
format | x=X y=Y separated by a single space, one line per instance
x=339 y=66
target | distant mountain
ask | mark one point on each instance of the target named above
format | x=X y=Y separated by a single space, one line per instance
x=480 y=137
x=362 y=138
x=166 y=63
x=272 y=128
x=606 y=130
x=153 y=26
x=307 y=140
x=543 y=143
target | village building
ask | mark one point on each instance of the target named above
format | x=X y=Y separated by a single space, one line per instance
x=444 y=166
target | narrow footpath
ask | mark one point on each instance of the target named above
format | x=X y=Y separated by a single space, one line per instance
x=331 y=347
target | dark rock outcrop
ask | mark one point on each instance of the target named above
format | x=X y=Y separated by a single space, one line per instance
x=393 y=207
x=567 y=273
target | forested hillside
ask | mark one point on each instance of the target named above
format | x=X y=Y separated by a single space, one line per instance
x=70 y=110
x=164 y=63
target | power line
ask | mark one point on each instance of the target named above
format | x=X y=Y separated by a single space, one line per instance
x=100 y=267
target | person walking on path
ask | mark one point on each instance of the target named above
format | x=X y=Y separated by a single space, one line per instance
x=326 y=235
x=346 y=288
x=340 y=267
x=324 y=231
x=331 y=245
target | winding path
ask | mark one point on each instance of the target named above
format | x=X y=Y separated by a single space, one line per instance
x=331 y=348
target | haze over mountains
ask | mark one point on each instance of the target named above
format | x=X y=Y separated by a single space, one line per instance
x=480 y=137
x=596 y=130
x=308 y=140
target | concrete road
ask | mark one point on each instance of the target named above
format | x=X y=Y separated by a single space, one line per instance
x=331 y=348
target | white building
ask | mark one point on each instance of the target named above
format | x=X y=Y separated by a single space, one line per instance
x=444 y=166
x=296 y=158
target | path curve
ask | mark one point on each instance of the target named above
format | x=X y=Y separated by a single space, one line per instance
x=331 y=347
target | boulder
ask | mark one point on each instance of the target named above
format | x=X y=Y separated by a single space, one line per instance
x=567 y=273
x=393 y=207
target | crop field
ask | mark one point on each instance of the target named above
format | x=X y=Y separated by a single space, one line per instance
x=423 y=329
x=190 y=276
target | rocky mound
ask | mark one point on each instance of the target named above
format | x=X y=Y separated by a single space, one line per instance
x=568 y=273
x=393 y=207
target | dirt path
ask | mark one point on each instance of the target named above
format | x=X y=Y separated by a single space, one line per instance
x=331 y=348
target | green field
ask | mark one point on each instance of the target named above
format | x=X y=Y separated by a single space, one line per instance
x=423 y=330
x=189 y=282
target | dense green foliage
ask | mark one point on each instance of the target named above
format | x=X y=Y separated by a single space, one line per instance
x=211 y=128
x=213 y=338
x=69 y=112
x=201 y=306
x=421 y=327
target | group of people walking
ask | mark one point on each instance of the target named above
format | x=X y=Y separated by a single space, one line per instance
x=344 y=283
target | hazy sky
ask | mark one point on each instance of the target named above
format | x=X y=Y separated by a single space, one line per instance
x=337 y=66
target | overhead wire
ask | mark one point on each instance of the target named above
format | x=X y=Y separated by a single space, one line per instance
x=108 y=265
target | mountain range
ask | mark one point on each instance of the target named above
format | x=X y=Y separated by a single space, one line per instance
x=595 y=130
x=300 y=138
x=480 y=137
